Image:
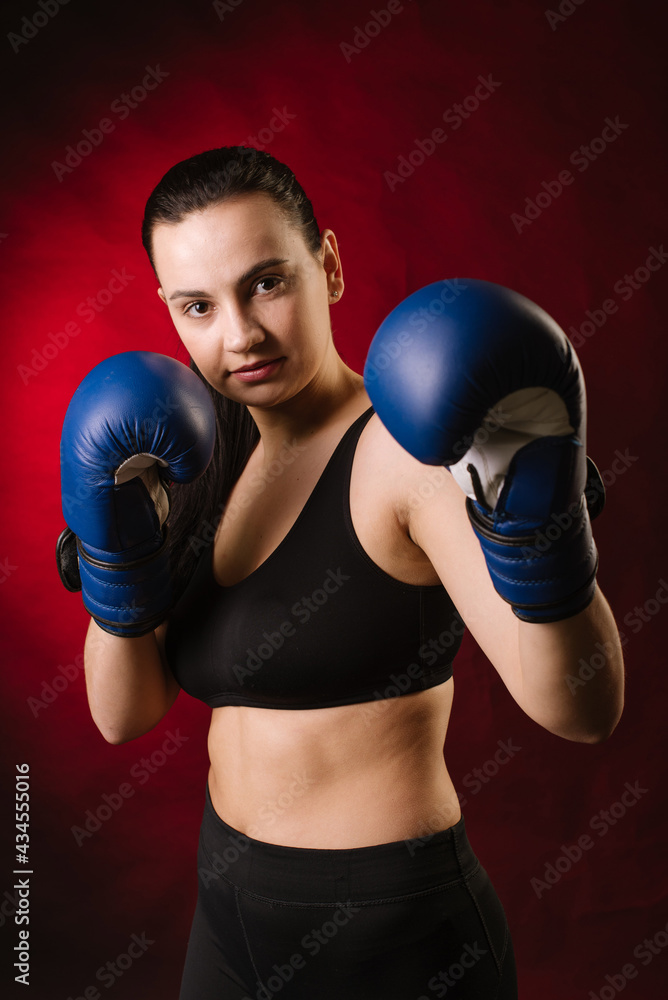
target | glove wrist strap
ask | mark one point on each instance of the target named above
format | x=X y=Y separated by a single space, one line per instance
x=127 y=599
x=545 y=575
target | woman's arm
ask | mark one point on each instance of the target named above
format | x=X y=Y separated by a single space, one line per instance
x=572 y=673
x=568 y=676
x=129 y=684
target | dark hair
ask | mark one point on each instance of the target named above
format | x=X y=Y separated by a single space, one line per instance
x=192 y=186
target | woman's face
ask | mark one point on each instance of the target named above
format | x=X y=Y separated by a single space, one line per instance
x=242 y=287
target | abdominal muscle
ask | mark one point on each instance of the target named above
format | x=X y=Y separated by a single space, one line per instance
x=341 y=777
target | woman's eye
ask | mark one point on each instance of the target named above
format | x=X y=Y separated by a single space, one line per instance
x=194 y=309
x=270 y=282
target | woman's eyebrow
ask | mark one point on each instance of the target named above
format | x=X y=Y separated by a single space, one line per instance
x=255 y=269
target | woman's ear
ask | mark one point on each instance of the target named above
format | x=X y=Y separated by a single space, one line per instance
x=332 y=263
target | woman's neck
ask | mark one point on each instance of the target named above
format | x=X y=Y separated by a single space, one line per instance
x=328 y=397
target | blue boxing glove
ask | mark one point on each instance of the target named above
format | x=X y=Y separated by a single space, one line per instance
x=137 y=421
x=473 y=376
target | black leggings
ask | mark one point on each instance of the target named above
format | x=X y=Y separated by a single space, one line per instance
x=408 y=920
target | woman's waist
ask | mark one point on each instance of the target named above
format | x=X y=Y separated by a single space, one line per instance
x=360 y=805
x=386 y=867
x=334 y=776
x=328 y=738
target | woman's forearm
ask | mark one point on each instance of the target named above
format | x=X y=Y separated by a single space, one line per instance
x=128 y=684
x=573 y=673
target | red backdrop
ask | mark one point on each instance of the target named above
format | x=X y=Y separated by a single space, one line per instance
x=437 y=140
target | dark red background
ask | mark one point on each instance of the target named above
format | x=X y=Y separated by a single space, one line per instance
x=353 y=120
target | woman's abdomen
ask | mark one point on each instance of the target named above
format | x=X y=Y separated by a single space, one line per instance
x=348 y=776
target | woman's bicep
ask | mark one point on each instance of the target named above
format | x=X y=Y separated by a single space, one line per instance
x=439 y=525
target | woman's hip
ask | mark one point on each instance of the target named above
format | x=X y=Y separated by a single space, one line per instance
x=410 y=920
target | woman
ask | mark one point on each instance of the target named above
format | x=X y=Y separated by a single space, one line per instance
x=333 y=853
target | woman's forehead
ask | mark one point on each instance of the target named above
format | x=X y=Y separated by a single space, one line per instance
x=254 y=209
x=233 y=235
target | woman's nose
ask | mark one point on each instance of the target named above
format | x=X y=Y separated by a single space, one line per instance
x=240 y=331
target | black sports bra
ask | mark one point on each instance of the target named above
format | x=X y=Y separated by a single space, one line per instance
x=318 y=623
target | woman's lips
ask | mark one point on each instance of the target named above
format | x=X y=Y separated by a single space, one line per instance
x=262 y=371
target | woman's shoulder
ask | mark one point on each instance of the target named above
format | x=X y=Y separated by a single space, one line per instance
x=398 y=469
